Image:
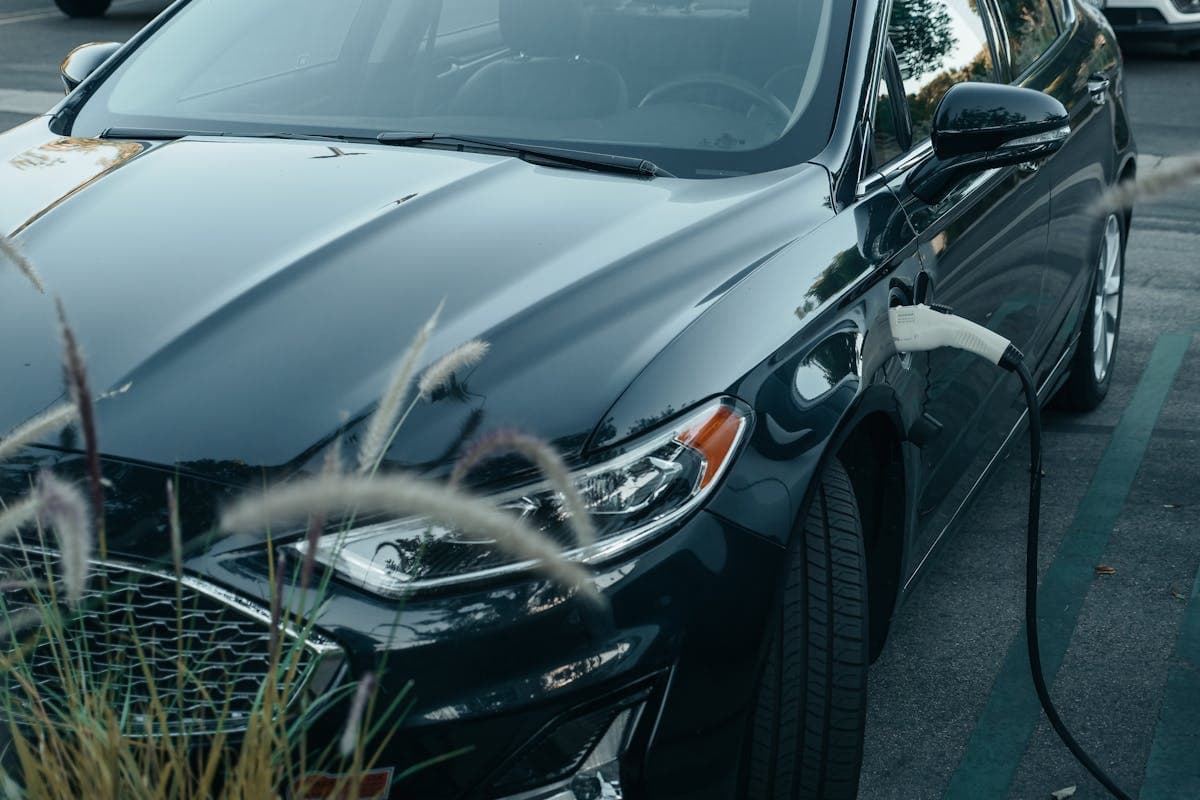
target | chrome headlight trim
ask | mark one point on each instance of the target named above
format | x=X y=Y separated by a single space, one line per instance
x=357 y=571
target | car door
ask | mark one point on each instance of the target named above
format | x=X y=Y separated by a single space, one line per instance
x=984 y=249
x=1080 y=68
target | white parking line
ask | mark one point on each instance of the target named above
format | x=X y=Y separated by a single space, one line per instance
x=15 y=18
x=25 y=101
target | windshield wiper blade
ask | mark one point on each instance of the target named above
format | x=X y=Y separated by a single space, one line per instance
x=581 y=159
x=170 y=134
x=153 y=134
x=326 y=137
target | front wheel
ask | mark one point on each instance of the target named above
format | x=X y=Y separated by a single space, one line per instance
x=83 y=8
x=806 y=739
x=1095 y=355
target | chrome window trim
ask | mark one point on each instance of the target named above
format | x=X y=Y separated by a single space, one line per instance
x=915 y=155
x=895 y=168
x=1069 y=16
x=863 y=167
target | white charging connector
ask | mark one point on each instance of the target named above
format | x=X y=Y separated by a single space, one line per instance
x=919 y=328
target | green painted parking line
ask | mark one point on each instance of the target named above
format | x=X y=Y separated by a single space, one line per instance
x=1173 y=770
x=1002 y=732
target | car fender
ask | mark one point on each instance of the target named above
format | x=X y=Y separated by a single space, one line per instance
x=804 y=341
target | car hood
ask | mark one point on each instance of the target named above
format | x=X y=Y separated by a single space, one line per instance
x=255 y=295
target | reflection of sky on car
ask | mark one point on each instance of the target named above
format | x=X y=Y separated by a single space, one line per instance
x=453 y=17
x=364 y=66
x=969 y=39
x=967 y=30
x=473 y=13
x=467 y=14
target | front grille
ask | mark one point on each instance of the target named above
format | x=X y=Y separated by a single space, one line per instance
x=137 y=628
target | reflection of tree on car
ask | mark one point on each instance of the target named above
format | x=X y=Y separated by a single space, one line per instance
x=922 y=104
x=923 y=34
x=922 y=37
x=619 y=302
x=1031 y=29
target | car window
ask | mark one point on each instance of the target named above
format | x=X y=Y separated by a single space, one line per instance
x=310 y=37
x=459 y=17
x=939 y=43
x=886 y=133
x=1031 y=30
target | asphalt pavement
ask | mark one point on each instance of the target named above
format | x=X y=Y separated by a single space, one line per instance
x=34 y=38
x=951 y=713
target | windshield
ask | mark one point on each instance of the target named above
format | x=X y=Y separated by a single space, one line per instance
x=703 y=88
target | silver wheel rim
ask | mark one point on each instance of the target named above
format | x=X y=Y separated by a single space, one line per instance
x=1106 y=300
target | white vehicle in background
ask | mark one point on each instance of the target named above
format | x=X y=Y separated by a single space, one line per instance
x=1155 y=22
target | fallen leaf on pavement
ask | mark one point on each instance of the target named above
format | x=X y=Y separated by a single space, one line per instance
x=1172 y=505
x=1103 y=570
x=1063 y=794
x=1178 y=595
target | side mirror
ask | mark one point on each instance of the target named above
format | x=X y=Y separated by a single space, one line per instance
x=83 y=61
x=981 y=126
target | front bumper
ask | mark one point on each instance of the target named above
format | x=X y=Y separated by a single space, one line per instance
x=495 y=672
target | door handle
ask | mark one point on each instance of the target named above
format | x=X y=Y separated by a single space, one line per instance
x=1098 y=85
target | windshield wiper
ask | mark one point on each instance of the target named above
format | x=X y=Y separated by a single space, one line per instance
x=553 y=156
x=153 y=134
x=326 y=137
x=171 y=134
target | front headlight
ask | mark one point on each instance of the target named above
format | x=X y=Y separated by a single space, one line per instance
x=633 y=494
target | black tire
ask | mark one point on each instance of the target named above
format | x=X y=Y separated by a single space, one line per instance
x=806 y=736
x=83 y=8
x=1084 y=390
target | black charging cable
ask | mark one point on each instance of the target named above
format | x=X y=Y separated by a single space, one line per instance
x=921 y=328
x=1031 y=583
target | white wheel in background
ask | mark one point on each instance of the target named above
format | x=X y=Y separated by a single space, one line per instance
x=83 y=8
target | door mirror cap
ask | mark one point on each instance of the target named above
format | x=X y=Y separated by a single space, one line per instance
x=981 y=126
x=83 y=61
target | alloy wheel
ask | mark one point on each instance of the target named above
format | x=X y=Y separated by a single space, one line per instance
x=1106 y=299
